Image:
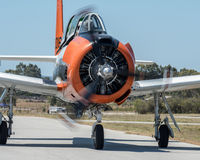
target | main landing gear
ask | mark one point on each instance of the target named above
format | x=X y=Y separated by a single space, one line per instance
x=162 y=128
x=3 y=132
x=97 y=129
x=6 y=125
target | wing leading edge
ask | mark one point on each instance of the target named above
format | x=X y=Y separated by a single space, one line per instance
x=142 y=62
x=29 y=58
x=145 y=87
x=52 y=59
x=29 y=84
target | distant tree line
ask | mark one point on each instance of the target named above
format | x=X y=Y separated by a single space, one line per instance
x=186 y=101
x=33 y=70
x=181 y=101
x=27 y=70
x=30 y=70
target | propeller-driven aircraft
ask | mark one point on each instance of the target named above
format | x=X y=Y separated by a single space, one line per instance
x=92 y=69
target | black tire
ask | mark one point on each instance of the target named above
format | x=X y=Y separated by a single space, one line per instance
x=98 y=137
x=164 y=136
x=3 y=133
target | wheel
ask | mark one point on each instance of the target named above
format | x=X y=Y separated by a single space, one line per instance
x=164 y=136
x=98 y=137
x=3 y=133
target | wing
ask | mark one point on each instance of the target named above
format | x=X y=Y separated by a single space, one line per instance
x=29 y=58
x=29 y=84
x=141 y=62
x=165 y=85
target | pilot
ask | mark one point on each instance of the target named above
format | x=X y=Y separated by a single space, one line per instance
x=92 y=28
x=78 y=28
x=85 y=26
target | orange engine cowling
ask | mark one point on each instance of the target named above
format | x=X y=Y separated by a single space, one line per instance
x=84 y=67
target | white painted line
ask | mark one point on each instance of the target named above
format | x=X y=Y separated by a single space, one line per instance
x=138 y=122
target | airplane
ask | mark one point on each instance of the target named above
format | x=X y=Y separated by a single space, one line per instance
x=92 y=69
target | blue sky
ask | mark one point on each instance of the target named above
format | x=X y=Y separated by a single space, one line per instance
x=165 y=31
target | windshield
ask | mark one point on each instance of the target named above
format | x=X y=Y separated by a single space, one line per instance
x=72 y=26
x=91 y=22
x=83 y=23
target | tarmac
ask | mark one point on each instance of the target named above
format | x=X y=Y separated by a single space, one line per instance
x=52 y=139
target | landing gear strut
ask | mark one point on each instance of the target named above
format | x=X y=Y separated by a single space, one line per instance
x=10 y=113
x=97 y=129
x=162 y=128
x=6 y=130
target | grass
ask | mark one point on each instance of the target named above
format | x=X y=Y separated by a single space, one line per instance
x=26 y=107
x=45 y=115
x=188 y=134
x=149 y=117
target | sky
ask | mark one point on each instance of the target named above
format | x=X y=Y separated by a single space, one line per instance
x=164 y=31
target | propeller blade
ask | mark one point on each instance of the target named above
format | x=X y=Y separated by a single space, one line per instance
x=69 y=123
x=86 y=93
x=125 y=73
x=91 y=88
x=138 y=76
x=167 y=75
x=86 y=9
x=97 y=51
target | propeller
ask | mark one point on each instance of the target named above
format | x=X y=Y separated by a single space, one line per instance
x=86 y=9
x=125 y=73
x=167 y=74
x=91 y=88
x=97 y=49
x=67 y=121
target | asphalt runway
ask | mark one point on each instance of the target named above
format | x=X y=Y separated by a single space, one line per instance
x=51 y=139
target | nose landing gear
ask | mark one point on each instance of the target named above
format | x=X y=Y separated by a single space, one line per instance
x=98 y=137
x=97 y=129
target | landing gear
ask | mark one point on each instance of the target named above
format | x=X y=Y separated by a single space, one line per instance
x=3 y=133
x=162 y=128
x=97 y=128
x=6 y=130
x=164 y=136
x=10 y=112
x=98 y=137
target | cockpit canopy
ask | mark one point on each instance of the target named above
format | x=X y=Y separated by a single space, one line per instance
x=83 y=23
x=91 y=23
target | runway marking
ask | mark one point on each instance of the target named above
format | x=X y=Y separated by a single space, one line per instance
x=138 y=122
x=133 y=113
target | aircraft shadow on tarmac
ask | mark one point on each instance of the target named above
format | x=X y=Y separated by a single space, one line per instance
x=110 y=144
